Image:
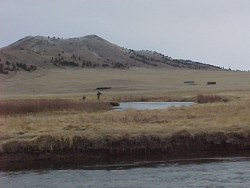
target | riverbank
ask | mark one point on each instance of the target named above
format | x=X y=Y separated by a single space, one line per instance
x=124 y=152
x=176 y=131
x=180 y=144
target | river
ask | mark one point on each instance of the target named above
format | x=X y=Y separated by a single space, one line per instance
x=212 y=172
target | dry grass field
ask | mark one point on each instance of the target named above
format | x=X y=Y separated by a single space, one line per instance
x=136 y=82
x=202 y=117
x=153 y=84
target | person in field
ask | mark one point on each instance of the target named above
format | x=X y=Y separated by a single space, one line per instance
x=98 y=95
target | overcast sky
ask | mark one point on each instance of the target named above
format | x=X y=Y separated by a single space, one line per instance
x=211 y=31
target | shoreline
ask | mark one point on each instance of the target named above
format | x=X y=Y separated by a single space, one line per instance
x=216 y=129
x=180 y=145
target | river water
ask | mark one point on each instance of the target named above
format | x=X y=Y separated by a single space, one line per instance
x=150 y=105
x=212 y=172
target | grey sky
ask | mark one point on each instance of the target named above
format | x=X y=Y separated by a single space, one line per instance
x=211 y=31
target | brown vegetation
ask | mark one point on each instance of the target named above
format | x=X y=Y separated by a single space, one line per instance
x=204 y=127
x=211 y=98
x=47 y=105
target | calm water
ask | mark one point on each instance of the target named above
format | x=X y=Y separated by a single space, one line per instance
x=150 y=105
x=217 y=172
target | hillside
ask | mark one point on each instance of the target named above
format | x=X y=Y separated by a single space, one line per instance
x=38 y=52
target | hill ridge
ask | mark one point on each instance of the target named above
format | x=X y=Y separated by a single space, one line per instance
x=38 y=52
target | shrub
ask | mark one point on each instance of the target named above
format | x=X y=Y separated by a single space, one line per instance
x=25 y=67
x=105 y=65
x=83 y=63
x=33 y=67
x=1 y=67
x=89 y=64
x=210 y=98
x=119 y=65
x=68 y=63
x=73 y=57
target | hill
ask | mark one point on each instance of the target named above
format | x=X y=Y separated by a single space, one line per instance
x=38 y=52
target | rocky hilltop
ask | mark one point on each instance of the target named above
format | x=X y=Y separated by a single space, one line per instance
x=38 y=52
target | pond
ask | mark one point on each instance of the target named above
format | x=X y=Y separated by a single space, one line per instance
x=150 y=105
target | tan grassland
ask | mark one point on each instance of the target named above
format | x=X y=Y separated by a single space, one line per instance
x=136 y=84
x=132 y=83
x=198 y=118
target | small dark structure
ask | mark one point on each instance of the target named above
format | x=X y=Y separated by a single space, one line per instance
x=103 y=88
x=98 y=95
x=211 y=83
x=189 y=82
x=83 y=97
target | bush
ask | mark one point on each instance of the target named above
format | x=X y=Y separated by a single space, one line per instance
x=68 y=63
x=210 y=98
x=33 y=67
x=1 y=67
x=105 y=65
x=119 y=65
x=25 y=67
x=83 y=63
x=73 y=57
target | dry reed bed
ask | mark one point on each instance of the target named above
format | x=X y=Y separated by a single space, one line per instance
x=80 y=131
x=48 y=105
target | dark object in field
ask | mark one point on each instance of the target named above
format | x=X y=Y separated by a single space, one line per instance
x=103 y=88
x=114 y=104
x=83 y=97
x=211 y=83
x=189 y=82
x=98 y=95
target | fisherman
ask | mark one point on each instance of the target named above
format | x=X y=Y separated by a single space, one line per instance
x=98 y=95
